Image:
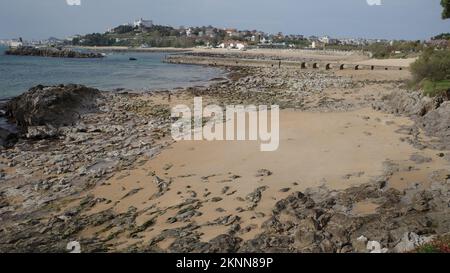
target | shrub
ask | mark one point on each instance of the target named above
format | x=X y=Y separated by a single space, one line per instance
x=431 y=72
x=432 y=65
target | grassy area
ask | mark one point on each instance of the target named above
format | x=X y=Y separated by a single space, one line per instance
x=431 y=71
x=434 y=88
x=440 y=245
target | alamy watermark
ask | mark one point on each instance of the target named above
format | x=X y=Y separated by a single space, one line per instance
x=235 y=123
x=73 y=2
x=374 y=2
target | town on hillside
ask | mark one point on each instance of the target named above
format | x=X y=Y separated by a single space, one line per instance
x=144 y=33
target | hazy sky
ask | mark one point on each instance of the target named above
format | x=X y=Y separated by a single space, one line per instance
x=401 y=19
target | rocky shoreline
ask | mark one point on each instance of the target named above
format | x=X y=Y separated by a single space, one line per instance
x=52 y=52
x=59 y=156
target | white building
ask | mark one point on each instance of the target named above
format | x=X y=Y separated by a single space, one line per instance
x=233 y=45
x=189 y=32
x=143 y=23
x=15 y=43
x=325 y=39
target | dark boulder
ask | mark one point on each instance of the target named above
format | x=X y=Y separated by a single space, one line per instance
x=53 y=106
x=7 y=138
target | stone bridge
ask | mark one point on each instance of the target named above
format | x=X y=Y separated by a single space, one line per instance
x=311 y=65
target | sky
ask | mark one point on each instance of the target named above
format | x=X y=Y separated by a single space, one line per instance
x=393 y=19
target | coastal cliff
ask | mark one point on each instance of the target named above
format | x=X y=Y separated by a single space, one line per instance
x=51 y=52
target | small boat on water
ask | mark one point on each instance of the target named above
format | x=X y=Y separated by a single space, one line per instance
x=133 y=59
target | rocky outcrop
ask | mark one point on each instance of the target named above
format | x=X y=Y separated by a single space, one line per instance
x=322 y=221
x=410 y=103
x=430 y=114
x=42 y=110
x=437 y=123
x=51 y=52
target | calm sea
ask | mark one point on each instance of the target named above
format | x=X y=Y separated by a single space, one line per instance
x=18 y=73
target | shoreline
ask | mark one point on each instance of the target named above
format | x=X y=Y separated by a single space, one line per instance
x=129 y=49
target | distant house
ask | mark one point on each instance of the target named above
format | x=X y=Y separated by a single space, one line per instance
x=317 y=44
x=16 y=43
x=141 y=23
x=189 y=32
x=256 y=38
x=232 y=32
x=264 y=40
x=210 y=33
x=325 y=39
x=439 y=43
x=233 y=45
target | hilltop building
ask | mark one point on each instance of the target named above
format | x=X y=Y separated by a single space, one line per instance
x=141 y=23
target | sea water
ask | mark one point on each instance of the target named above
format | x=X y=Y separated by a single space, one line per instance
x=115 y=71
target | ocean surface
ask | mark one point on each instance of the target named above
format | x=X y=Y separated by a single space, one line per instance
x=19 y=73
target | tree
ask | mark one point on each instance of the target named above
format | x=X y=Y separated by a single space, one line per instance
x=446 y=12
x=123 y=29
x=432 y=65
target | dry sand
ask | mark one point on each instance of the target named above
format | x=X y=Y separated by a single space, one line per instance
x=335 y=150
x=388 y=62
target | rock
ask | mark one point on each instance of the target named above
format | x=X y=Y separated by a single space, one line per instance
x=407 y=103
x=421 y=201
x=51 y=52
x=7 y=138
x=187 y=244
x=222 y=244
x=54 y=106
x=41 y=132
x=255 y=197
x=419 y=159
x=327 y=246
x=225 y=189
x=216 y=199
x=73 y=247
x=411 y=241
x=436 y=123
x=161 y=184
x=360 y=245
x=285 y=189
x=375 y=247
x=132 y=192
x=263 y=172
x=430 y=114
x=305 y=239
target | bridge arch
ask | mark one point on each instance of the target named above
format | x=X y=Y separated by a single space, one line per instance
x=342 y=67
x=327 y=66
x=315 y=65
x=303 y=65
x=357 y=67
x=372 y=67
